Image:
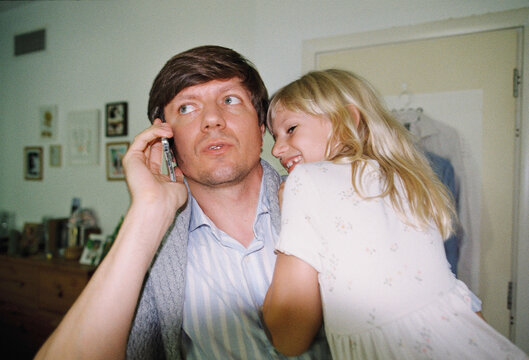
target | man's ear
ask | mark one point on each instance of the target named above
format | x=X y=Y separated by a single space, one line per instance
x=353 y=110
x=263 y=130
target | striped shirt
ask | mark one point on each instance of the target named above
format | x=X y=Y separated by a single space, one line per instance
x=225 y=286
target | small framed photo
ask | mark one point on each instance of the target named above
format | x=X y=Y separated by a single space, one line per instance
x=93 y=249
x=115 y=153
x=55 y=155
x=32 y=239
x=116 y=119
x=33 y=163
x=48 y=122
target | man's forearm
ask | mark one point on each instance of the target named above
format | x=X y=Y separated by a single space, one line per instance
x=98 y=323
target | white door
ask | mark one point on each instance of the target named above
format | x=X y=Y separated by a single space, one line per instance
x=466 y=82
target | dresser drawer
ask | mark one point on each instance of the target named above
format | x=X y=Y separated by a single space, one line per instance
x=18 y=283
x=35 y=293
x=58 y=290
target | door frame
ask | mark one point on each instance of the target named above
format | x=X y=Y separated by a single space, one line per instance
x=518 y=18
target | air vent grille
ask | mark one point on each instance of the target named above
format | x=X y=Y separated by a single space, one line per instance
x=30 y=42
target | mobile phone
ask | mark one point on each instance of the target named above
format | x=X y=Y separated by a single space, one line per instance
x=168 y=154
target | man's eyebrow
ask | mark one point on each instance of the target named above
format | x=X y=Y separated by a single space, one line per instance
x=221 y=90
x=183 y=97
x=229 y=88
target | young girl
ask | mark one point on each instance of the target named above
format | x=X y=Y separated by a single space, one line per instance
x=363 y=223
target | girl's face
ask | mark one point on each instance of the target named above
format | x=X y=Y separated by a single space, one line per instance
x=299 y=138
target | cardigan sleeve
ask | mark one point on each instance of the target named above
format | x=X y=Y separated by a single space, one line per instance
x=145 y=339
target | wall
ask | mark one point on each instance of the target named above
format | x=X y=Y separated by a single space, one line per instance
x=105 y=51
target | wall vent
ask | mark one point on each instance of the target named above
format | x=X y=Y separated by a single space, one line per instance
x=30 y=42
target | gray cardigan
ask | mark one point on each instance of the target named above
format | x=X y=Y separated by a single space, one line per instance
x=157 y=326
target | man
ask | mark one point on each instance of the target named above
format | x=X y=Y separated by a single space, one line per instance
x=212 y=268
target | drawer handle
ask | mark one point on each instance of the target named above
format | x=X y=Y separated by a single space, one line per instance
x=59 y=291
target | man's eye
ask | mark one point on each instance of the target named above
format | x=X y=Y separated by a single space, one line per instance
x=232 y=100
x=291 y=129
x=184 y=109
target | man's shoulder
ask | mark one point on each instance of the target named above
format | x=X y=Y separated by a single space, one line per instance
x=270 y=175
x=175 y=239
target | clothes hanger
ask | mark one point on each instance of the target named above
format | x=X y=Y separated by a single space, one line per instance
x=406 y=114
x=405 y=97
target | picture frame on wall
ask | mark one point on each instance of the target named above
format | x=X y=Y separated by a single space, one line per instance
x=116 y=119
x=33 y=163
x=55 y=155
x=114 y=155
x=83 y=137
x=48 y=122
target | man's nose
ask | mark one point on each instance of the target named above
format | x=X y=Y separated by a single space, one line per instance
x=213 y=118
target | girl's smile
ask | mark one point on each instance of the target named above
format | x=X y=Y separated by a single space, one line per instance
x=299 y=138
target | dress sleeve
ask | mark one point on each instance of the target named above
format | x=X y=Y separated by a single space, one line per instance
x=300 y=235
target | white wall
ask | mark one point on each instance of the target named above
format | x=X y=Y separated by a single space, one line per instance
x=105 y=51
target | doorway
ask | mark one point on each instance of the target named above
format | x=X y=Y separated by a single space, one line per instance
x=478 y=66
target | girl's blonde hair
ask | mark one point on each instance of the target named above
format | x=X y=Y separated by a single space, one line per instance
x=378 y=136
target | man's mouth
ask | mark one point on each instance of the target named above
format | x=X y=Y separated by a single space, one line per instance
x=215 y=147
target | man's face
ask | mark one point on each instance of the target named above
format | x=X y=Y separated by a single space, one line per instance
x=217 y=137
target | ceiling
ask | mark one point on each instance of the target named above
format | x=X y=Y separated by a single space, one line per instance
x=8 y=5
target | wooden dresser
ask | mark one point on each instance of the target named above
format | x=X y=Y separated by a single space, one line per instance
x=35 y=293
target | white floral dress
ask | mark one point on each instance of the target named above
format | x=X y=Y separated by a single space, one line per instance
x=386 y=288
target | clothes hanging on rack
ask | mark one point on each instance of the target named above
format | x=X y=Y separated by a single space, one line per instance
x=445 y=172
x=407 y=116
x=443 y=140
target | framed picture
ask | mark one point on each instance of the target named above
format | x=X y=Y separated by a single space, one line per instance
x=48 y=122
x=33 y=163
x=93 y=249
x=55 y=155
x=116 y=119
x=32 y=239
x=83 y=137
x=115 y=153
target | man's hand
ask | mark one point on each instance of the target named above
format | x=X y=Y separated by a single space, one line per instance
x=142 y=164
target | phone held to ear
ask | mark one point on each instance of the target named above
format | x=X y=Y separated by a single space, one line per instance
x=168 y=154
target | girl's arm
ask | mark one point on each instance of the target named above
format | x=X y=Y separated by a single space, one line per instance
x=292 y=307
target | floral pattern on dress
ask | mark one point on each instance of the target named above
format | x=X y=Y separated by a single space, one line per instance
x=342 y=226
x=399 y=299
x=423 y=345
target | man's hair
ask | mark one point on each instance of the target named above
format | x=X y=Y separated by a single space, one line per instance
x=203 y=64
